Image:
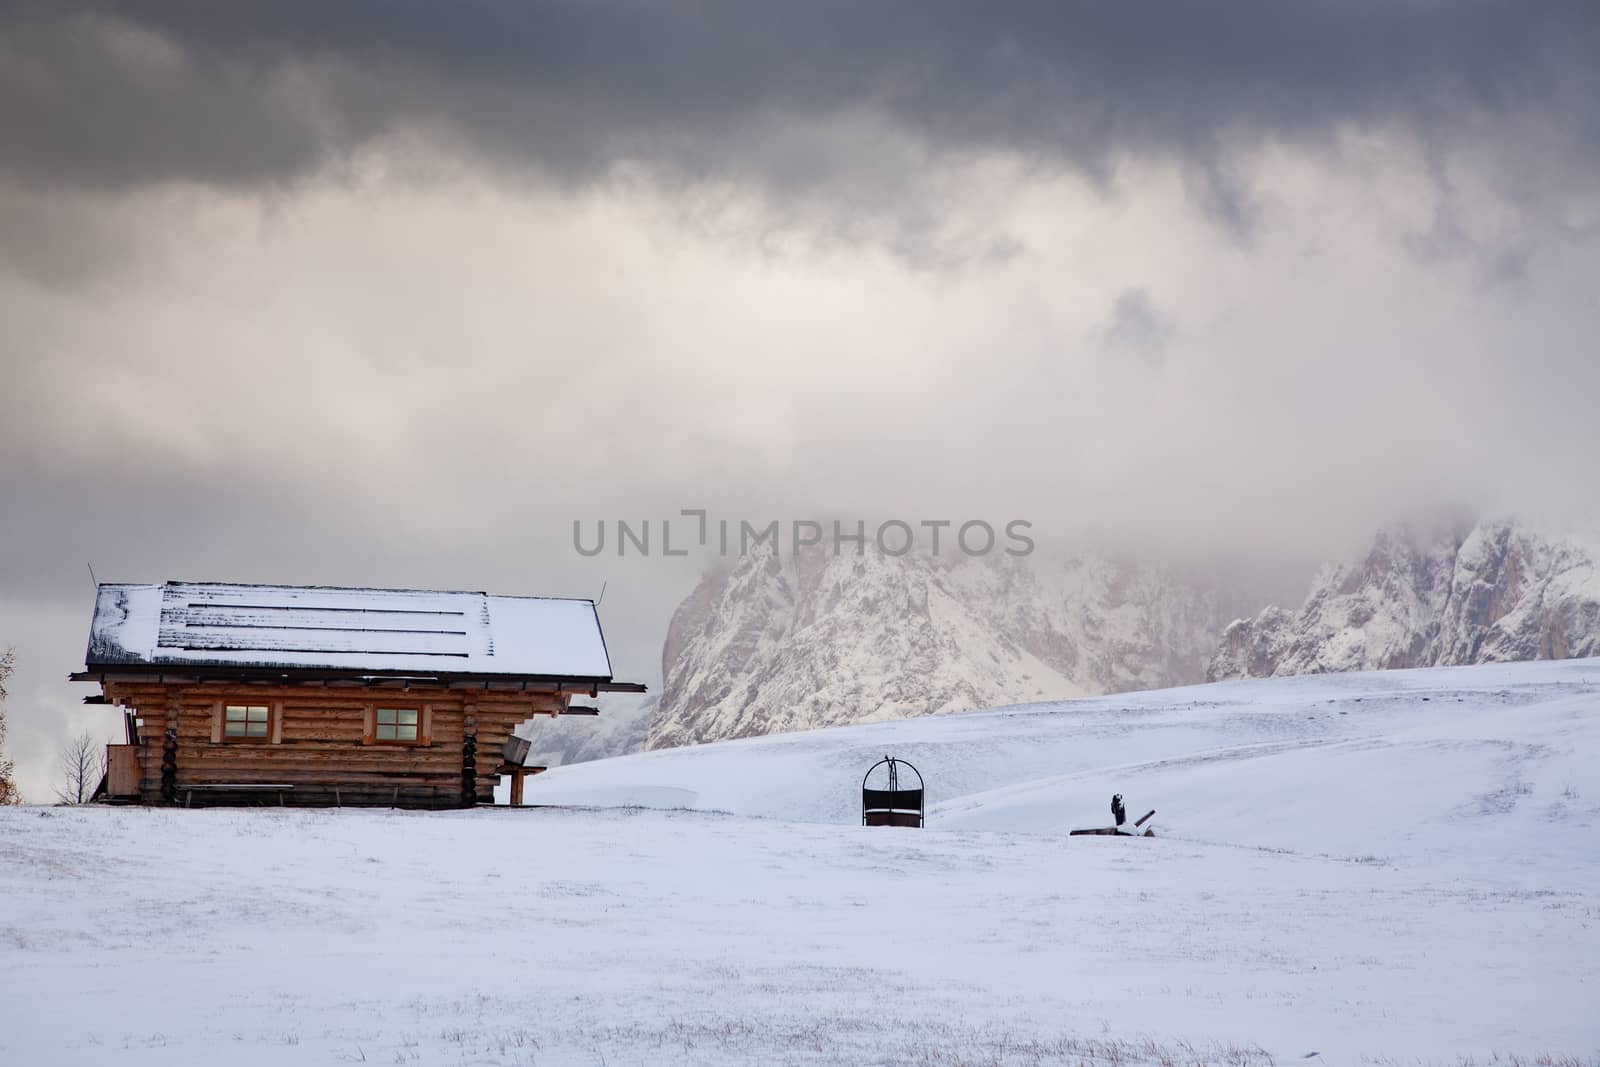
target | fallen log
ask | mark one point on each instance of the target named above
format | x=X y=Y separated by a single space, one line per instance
x=1109 y=831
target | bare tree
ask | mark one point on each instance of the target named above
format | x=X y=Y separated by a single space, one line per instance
x=82 y=763
x=8 y=785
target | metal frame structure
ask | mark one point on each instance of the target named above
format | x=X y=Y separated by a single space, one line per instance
x=893 y=806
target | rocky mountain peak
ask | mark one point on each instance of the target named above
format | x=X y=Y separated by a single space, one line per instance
x=1493 y=592
x=788 y=642
x=779 y=642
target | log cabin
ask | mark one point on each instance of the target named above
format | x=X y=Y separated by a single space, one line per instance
x=310 y=696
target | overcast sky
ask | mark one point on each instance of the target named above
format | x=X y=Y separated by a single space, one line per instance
x=393 y=292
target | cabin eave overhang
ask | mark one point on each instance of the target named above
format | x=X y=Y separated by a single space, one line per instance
x=175 y=674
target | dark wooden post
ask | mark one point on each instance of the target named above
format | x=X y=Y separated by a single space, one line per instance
x=169 y=746
x=469 y=753
x=517 y=774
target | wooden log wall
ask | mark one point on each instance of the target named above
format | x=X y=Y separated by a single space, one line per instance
x=319 y=744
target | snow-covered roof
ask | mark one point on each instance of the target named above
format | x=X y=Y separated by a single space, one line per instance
x=380 y=631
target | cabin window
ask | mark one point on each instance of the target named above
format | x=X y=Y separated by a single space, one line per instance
x=246 y=722
x=400 y=725
x=393 y=725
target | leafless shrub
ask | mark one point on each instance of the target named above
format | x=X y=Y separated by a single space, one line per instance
x=8 y=784
x=82 y=762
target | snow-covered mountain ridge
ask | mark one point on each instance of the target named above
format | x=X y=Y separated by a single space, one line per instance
x=1496 y=593
x=784 y=642
x=781 y=643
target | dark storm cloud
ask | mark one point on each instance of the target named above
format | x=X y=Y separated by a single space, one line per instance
x=123 y=93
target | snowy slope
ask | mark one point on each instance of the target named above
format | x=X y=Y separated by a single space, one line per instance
x=780 y=643
x=1386 y=763
x=1496 y=593
x=1400 y=867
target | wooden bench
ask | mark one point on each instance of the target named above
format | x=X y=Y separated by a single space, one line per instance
x=518 y=773
x=237 y=787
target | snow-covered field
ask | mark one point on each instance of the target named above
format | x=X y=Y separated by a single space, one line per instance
x=1384 y=867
